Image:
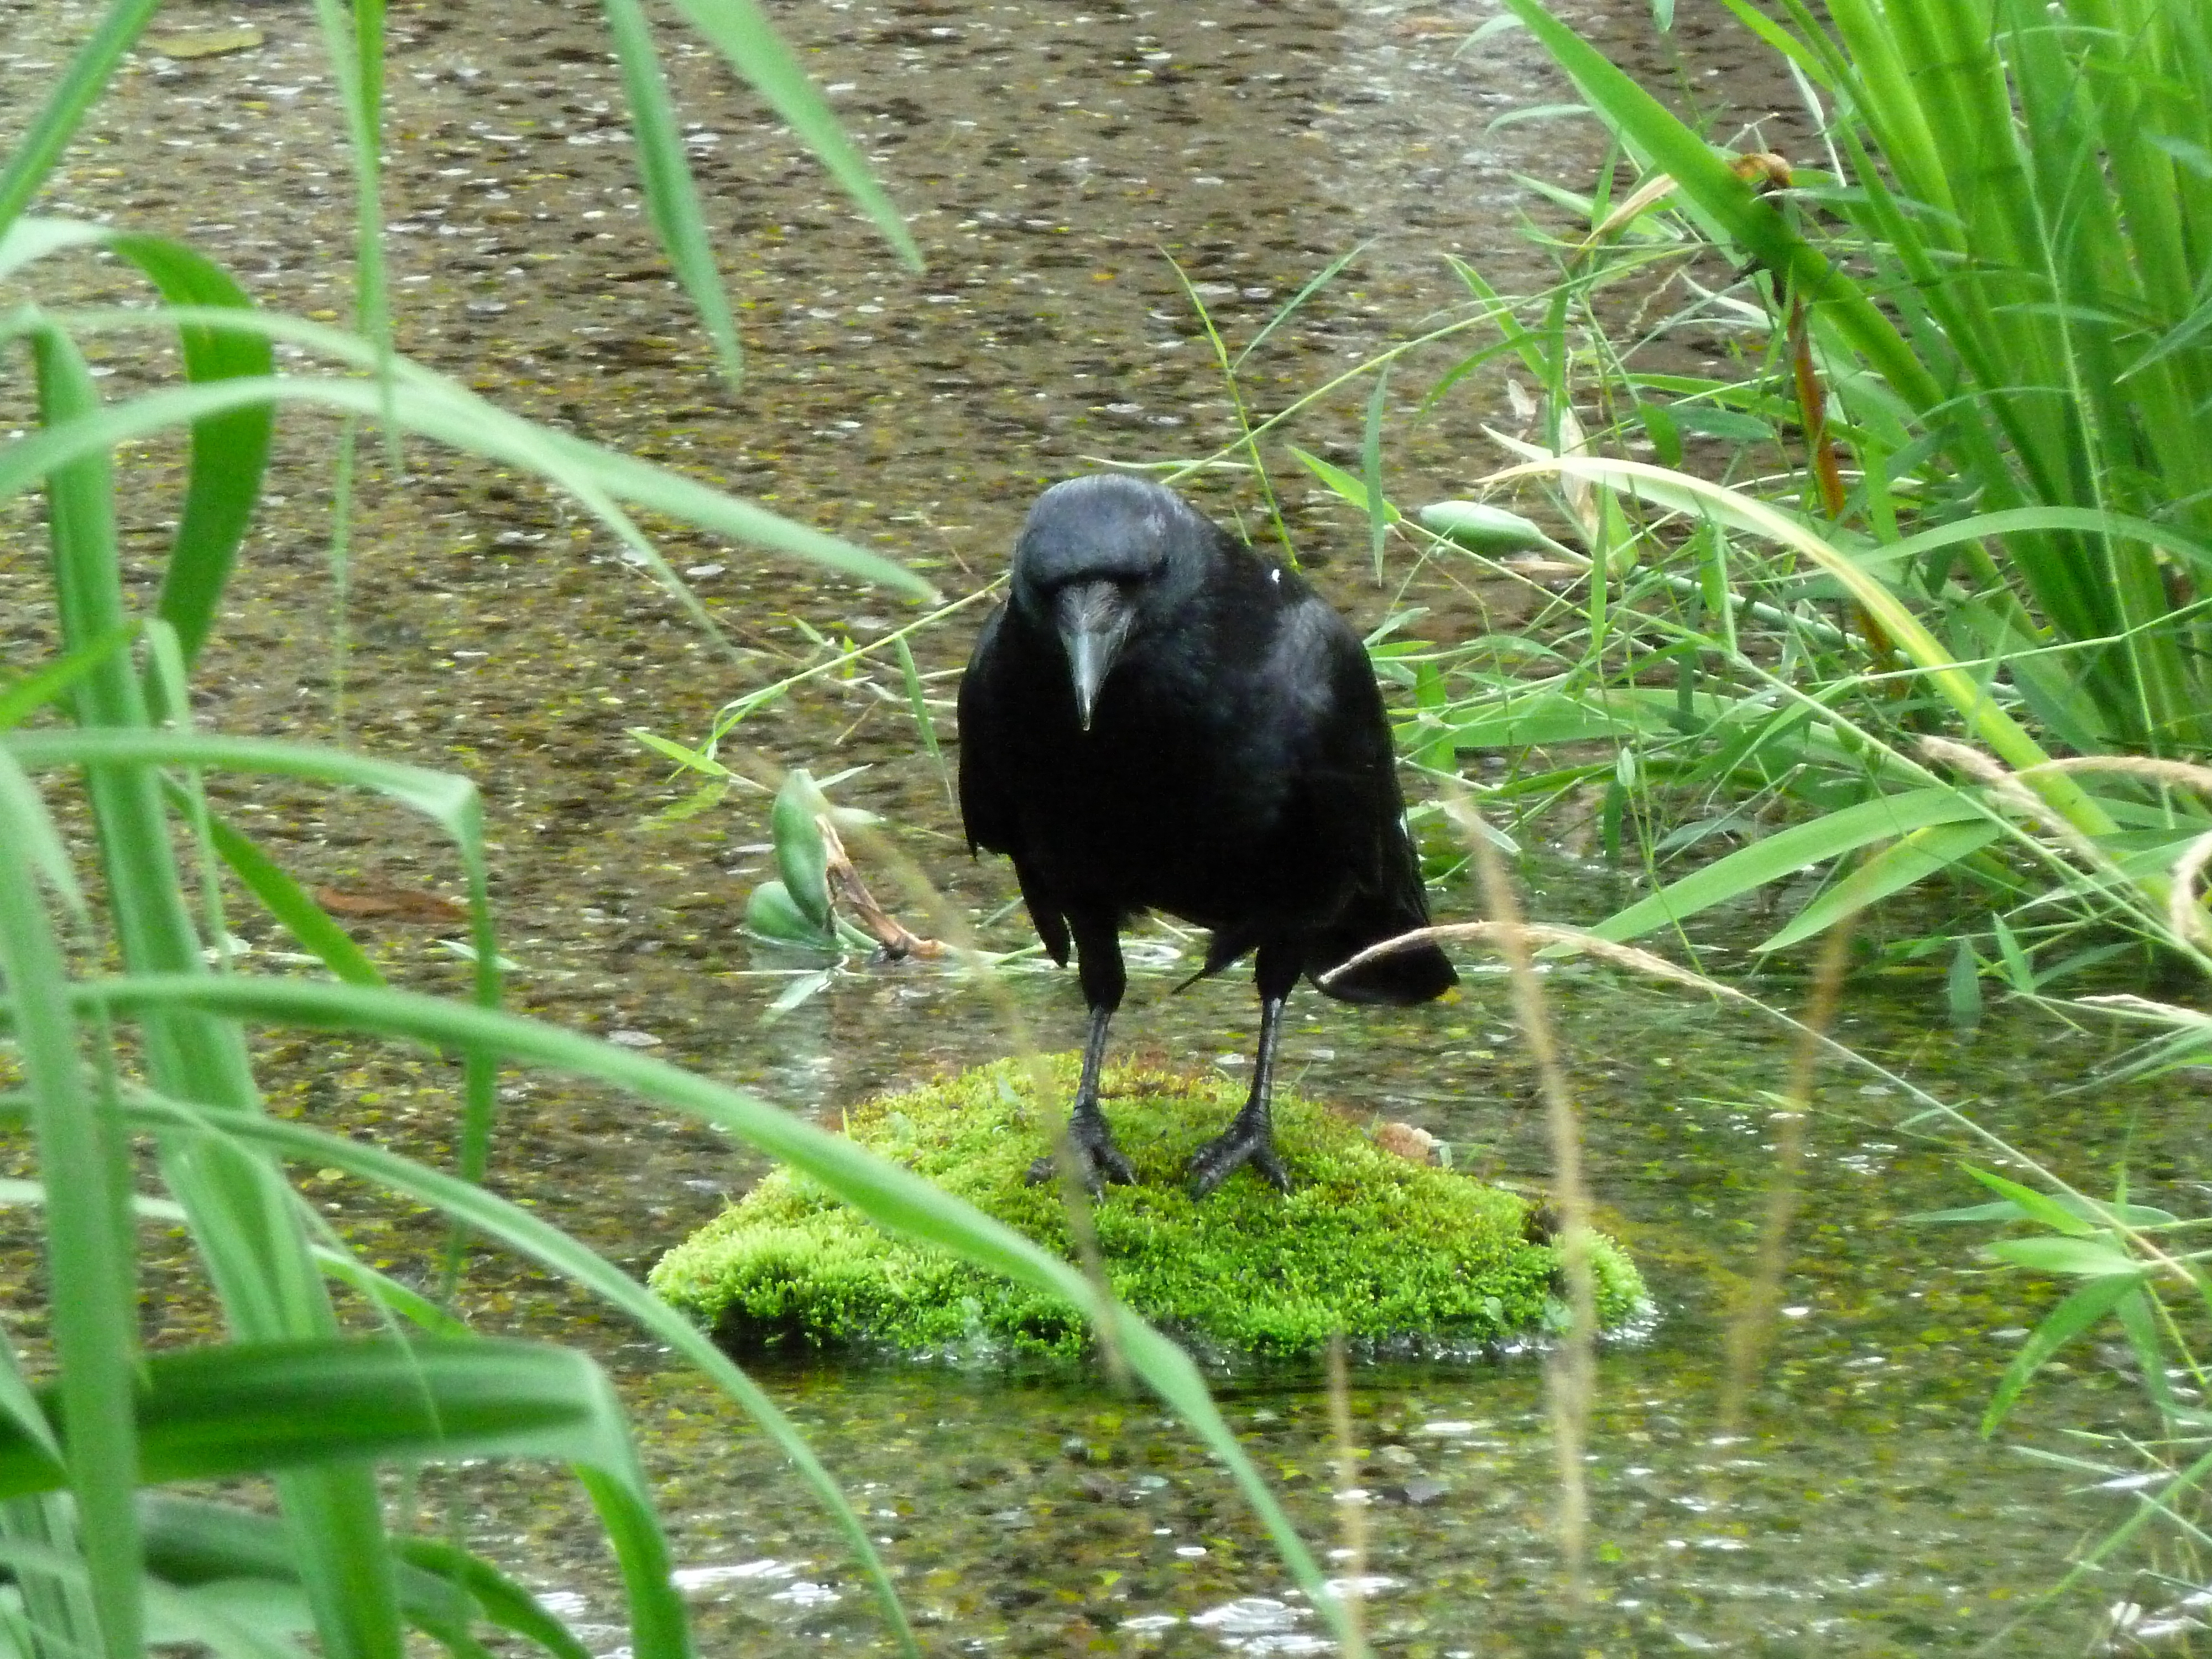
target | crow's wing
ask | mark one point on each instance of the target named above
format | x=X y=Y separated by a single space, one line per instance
x=1347 y=771
x=987 y=809
x=1334 y=737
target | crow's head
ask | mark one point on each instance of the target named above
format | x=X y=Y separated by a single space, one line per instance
x=1095 y=556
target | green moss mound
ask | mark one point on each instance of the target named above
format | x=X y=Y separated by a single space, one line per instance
x=1397 y=1256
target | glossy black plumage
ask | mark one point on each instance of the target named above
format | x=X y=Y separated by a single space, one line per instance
x=1232 y=767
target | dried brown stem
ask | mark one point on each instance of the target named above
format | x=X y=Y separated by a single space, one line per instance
x=1571 y=1371
x=853 y=894
x=1350 y=1501
x=1751 y=1329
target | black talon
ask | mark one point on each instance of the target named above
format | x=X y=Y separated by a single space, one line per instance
x=1096 y=1155
x=1250 y=1136
x=1242 y=1142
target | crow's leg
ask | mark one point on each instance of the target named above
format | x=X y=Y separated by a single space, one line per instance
x=1098 y=961
x=1250 y=1136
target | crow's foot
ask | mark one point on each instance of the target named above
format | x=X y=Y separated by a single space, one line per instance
x=1247 y=1140
x=1096 y=1155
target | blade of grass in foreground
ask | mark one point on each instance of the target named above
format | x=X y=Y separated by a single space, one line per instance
x=509 y=1224
x=87 y=1238
x=229 y=450
x=242 y=1209
x=192 y=1543
x=207 y=1413
x=38 y=150
x=442 y=410
x=893 y=1197
x=743 y=35
x=225 y=1411
x=671 y=196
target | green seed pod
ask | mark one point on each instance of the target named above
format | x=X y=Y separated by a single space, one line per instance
x=770 y=914
x=1481 y=528
x=801 y=857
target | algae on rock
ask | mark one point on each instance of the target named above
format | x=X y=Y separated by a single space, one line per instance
x=1392 y=1254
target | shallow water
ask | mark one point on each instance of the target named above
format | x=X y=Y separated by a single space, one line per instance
x=1049 y=156
x=1856 y=1512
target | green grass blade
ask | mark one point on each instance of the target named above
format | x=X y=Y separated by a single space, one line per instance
x=230 y=451
x=509 y=1224
x=88 y=1251
x=34 y=691
x=439 y=409
x=2048 y=1210
x=31 y=238
x=31 y=838
x=1988 y=723
x=741 y=34
x=1326 y=275
x=659 y=1626
x=212 y=1412
x=382 y=1290
x=1740 y=215
x=290 y=904
x=225 y=1623
x=52 y=1611
x=1517 y=719
x=2076 y=1314
x=1914 y=857
x=672 y=198
x=1789 y=851
x=81 y=1158
x=498 y=1598
x=353 y=45
x=449 y=801
x=2028 y=521
x=1370 y=469
x=924 y=721
x=1350 y=488
x=242 y=1212
x=80 y=85
x=191 y=1541
x=893 y=1197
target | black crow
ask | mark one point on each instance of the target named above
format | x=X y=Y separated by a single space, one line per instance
x=1160 y=717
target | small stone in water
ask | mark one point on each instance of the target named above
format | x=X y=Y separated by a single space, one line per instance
x=1250 y=1615
x=202 y=43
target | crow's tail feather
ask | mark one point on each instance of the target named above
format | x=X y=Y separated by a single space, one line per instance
x=1417 y=973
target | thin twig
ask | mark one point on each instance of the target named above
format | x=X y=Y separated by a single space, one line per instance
x=1570 y=1373
x=1751 y=1329
x=1351 y=1500
x=880 y=925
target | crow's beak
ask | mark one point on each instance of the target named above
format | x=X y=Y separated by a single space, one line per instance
x=1092 y=619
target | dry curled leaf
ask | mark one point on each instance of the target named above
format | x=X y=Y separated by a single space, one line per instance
x=392 y=904
x=1409 y=1141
